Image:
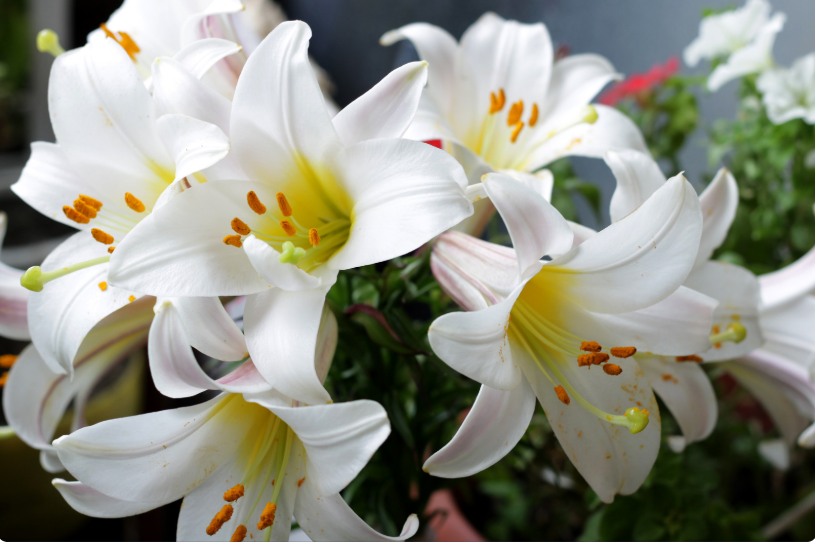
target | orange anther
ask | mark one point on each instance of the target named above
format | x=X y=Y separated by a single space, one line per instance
x=695 y=358
x=111 y=249
x=300 y=481
x=220 y=518
x=102 y=237
x=7 y=360
x=497 y=101
x=562 y=395
x=240 y=226
x=283 y=203
x=132 y=298
x=134 y=203
x=595 y=358
x=515 y=113
x=533 y=117
x=288 y=228
x=234 y=240
x=239 y=534
x=254 y=203
x=623 y=351
x=314 y=236
x=75 y=215
x=590 y=346
x=518 y=127
x=84 y=208
x=234 y=494
x=611 y=369
x=267 y=517
x=103 y=285
x=95 y=203
x=124 y=40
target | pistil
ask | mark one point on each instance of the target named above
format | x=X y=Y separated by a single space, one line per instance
x=35 y=278
x=48 y=42
x=735 y=332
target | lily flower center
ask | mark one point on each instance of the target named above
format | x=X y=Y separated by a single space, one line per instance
x=535 y=325
x=506 y=139
x=307 y=244
x=267 y=459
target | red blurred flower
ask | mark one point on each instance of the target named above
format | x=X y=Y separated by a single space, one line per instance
x=638 y=83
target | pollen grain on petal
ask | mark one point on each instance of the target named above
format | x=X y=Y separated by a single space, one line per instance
x=623 y=351
x=93 y=202
x=220 y=518
x=84 y=208
x=111 y=249
x=267 y=517
x=300 y=481
x=283 y=203
x=132 y=298
x=134 y=203
x=7 y=360
x=533 y=117
x=590 y=346
x=254 y=202
x=611 y=369
x=103 y=285
x=516 y=132
x=101 y=236
x=693 y=358
x=234 y=494
x=288 y=228
x=239 y=534
x=240 y=227
x=314 y=237
x=515 y=112
x=562 y=395
x=75 y=215
x=233 y=240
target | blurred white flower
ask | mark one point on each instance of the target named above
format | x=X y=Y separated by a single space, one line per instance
x=789 y=93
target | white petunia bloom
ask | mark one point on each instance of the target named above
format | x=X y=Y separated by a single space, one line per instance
x=745 y=36
x=246 y=465
x=498 y=101
x=684 y=387
x=789 y=93
x=323 y=196
x=536 y=328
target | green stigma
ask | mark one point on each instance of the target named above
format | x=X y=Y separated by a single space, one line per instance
x=32 y=279
x=735 y=332
x=291 y=254
x=638 y=419
x=48 y=42
x=591 y=114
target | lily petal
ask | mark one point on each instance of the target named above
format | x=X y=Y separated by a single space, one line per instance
x=194 y=144
x=475 y=344
x=687 y=392
x=62 y=314
x=328 y=517
x=794 y=281
x=201 y=55
x=492 y=428
x=638 y=176
x=610 y=458
x=280 y=123
x=438 y=48
x=13 y=297
x=719 y=202
x=405 y=193
x=149 y=260
x=641 y=259
x=90 y=502
x=281 y=333
x=266 y=260
x=788 y=332
x=339 y=439
x=536 y=228
x=386 y=110
x=577 y=79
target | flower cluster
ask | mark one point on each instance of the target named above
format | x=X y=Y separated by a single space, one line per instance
x=218 y=196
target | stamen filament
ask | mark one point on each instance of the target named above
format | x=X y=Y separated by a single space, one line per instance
x=35 y=278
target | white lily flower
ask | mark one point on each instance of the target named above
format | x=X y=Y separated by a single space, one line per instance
x=244 y=464
x=536 y=328
x=789 y=93
x=107 y=172
x=499 y=101
x=323 y=196
x=685 y=387
x=745 y=35
x=13 y=297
